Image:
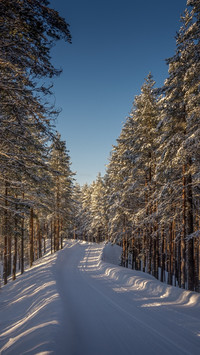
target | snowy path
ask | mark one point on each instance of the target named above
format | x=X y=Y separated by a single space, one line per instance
x=105 y=314
x=96 y=308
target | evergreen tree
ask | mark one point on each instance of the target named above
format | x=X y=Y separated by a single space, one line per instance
x=62 y=190
x=180 y=136
x=28 y=31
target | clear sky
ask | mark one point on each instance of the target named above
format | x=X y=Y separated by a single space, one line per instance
x=115 y=44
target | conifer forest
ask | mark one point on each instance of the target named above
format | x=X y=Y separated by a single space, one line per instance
x=148 y=201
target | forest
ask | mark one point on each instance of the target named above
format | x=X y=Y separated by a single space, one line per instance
x=147 y=202
x=36 y=179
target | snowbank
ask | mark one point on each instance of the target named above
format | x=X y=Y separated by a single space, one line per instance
x=112 y=254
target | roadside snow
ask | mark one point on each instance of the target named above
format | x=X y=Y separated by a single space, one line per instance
x=112 y=254
x=73 y=303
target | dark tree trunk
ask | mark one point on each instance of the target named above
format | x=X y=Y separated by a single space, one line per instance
x=15 y=258
x=51 y=237
x=149 y=252
x=15 y=248
x=170 y=266
x=39 y=240
x=144 y=250
x=5 y=264
x=9 y=258
x=162 y=276
x=183 y=234
x=190 y=246
x=55 y=235
x=133 y=254
x=31 y=238
x=22 y=241
x=22 y=246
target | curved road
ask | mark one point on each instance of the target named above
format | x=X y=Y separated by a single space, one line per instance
x=102 y=316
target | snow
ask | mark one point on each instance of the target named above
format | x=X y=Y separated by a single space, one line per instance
x=76 y=302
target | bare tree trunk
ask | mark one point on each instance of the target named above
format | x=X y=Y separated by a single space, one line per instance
x=170 y=256
x=39 y=239
x=5 y=265
x=149 y=252
x=57 y=232
x=123 y=251
x=51 y=237
x=45 y=236
x=144 y=250
x=133 y=253
x=31 y=238
x=174 y=251
x=15 y=247
x=22 y=241
x=55 y=235
x=61 y=244
x=35 y=242
x=183 y=234
x=9 y=252
x=199 y=268
x=162 y=277
x=5 y=260
x=22 y=246
x=190 y=244
x=196 y=265
x=15 y=258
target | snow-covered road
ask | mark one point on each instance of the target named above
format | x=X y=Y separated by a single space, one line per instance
x=96 y=308
x=110 y=310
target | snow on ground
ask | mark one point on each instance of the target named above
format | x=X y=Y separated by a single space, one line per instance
x=76 y=303
x=112 y=254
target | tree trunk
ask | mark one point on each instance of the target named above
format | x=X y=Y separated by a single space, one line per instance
x=55 y=235
x=190 y=245
x=51 y=237
x=61 y=239
x=133 y=254
x=144 y=251
x=9 y=252
x=15 y=248
x=22 y=246
x=174 y=252
x=124 y=252
x=5 y=264
x=170 y=256
x=22 y=241
x=39 y=239
x=31 y=238
x=58 y=233
x=149 y=252
x=162 y=276
x=183 y=234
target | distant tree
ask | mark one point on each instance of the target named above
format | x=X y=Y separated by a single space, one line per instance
x=85 y=216
x=97 y=210
x=76 y=228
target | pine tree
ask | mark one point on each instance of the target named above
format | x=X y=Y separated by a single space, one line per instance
x=28 y=31
x=180 y=137
x=131 y=170
x=62 y=190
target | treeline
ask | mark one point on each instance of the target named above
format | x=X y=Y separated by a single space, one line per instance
x=148 y=200
x=36 y=180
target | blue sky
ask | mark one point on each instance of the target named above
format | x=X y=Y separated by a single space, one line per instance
x=115 y=44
